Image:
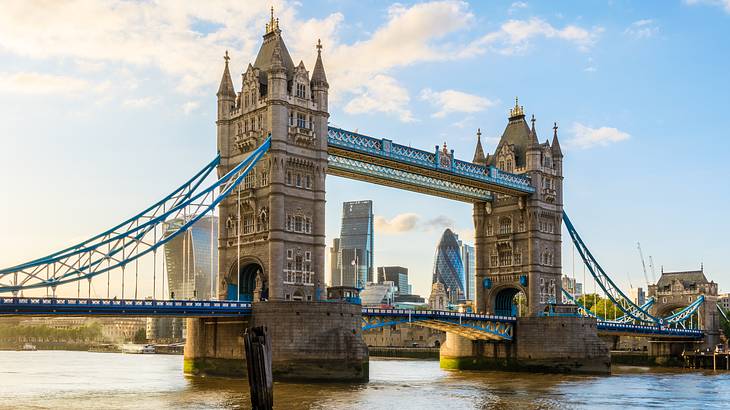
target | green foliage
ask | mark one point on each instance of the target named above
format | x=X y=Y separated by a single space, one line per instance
x=140 y=336
x=600 y=306
x=87 y=333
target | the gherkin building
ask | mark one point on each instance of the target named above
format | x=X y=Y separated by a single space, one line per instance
x=448 y=267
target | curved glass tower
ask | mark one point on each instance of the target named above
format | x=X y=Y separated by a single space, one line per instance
x=448 y=267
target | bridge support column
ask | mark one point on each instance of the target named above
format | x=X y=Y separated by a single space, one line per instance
x=215 y=347
x=310 y=341
x=541 y=344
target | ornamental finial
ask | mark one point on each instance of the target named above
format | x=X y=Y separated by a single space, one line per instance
x=273 y=23
x=225 y=57
x=555 y=129
x=319 y=45
x=518 y=110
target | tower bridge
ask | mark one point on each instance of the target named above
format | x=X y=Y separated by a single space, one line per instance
x=275 y=149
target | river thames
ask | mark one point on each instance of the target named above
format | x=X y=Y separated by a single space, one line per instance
x=85 y=380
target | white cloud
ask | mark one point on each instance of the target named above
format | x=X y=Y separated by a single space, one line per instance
x=39 y=83
x=591 y=66
x=587 y=137
x=398 y=224
x=184 y=41
x=725 y=4
x=142 y=102
x=449 y=101
x=514 y=36
x=516 y=6
x=190 y=106
x=408 y=222
x=382 y=94
x=642 y=29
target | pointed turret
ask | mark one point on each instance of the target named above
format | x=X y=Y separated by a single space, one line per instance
x=226 y=87
x=318 y=75
x=479 y=151
x=320 y=87
x=557 y=152
x=533 y=133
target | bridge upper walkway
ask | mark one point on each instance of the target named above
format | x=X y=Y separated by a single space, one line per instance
x=436 y=173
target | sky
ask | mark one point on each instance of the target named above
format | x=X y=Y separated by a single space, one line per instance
x=109 y=105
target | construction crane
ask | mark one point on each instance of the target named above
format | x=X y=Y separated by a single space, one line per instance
x=643 y=265
x=651 y=266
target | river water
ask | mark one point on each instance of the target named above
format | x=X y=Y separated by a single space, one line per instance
x=85 y=380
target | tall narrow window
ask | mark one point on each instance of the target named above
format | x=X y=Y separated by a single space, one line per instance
x=299 y=180
x=307 y=225
x=505 y=226
x=301 y=90
x=301 y=120
x=308 y=182
x=298 y=223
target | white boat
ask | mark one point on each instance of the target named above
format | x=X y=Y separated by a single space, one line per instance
x=29 y=347
x=138 y=349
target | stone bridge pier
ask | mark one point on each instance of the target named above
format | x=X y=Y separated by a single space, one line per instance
x=540 y=344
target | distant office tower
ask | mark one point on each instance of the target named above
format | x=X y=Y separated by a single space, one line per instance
x=192 y=259
x=354 y=259
x=468 y=259
x=335 y=265
x=396 y=274
x=637 y=296
x=192 y=266
x=448 y=267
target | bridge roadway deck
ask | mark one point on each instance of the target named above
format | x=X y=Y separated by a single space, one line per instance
x=472 y=325
x=48 y=306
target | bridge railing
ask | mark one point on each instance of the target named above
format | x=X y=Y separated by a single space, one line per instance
x=435 y=314
x=385 y=148
x=47 y=301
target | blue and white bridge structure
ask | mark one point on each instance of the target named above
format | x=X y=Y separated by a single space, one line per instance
x=112 y=258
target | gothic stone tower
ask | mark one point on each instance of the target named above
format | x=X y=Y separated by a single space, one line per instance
x=518 y=249
x=518 y=238
x=272 y=239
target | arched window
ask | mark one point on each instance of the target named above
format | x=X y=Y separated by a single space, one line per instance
x=505 y=226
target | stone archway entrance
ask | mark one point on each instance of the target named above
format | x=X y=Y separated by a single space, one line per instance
x=250 y=285
x=510 y=302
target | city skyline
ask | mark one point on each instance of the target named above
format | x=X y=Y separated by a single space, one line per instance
x=627 y=143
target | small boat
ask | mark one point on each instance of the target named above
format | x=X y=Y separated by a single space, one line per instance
x=29 y=347
x=148 y=349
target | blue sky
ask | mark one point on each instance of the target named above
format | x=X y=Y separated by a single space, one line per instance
x=113 y=104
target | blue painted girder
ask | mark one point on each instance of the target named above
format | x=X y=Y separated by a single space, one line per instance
x=33 y=306
x=385 y=152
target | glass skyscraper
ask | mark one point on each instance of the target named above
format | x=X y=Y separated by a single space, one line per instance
x=468 y=259
x=448 y=267
x=352 y=253
x=192 y=259
x=397 y=275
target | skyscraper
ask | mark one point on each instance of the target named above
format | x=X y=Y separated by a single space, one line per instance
x=448 y=267
x=353 y=260
x=396 y=274
x=192 y=267
x=468 y=260
x=192 y=259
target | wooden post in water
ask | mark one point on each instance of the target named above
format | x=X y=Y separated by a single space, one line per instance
x=258 y=360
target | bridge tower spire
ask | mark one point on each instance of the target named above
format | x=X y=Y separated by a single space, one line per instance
x=271 y=236
x=518 y=238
